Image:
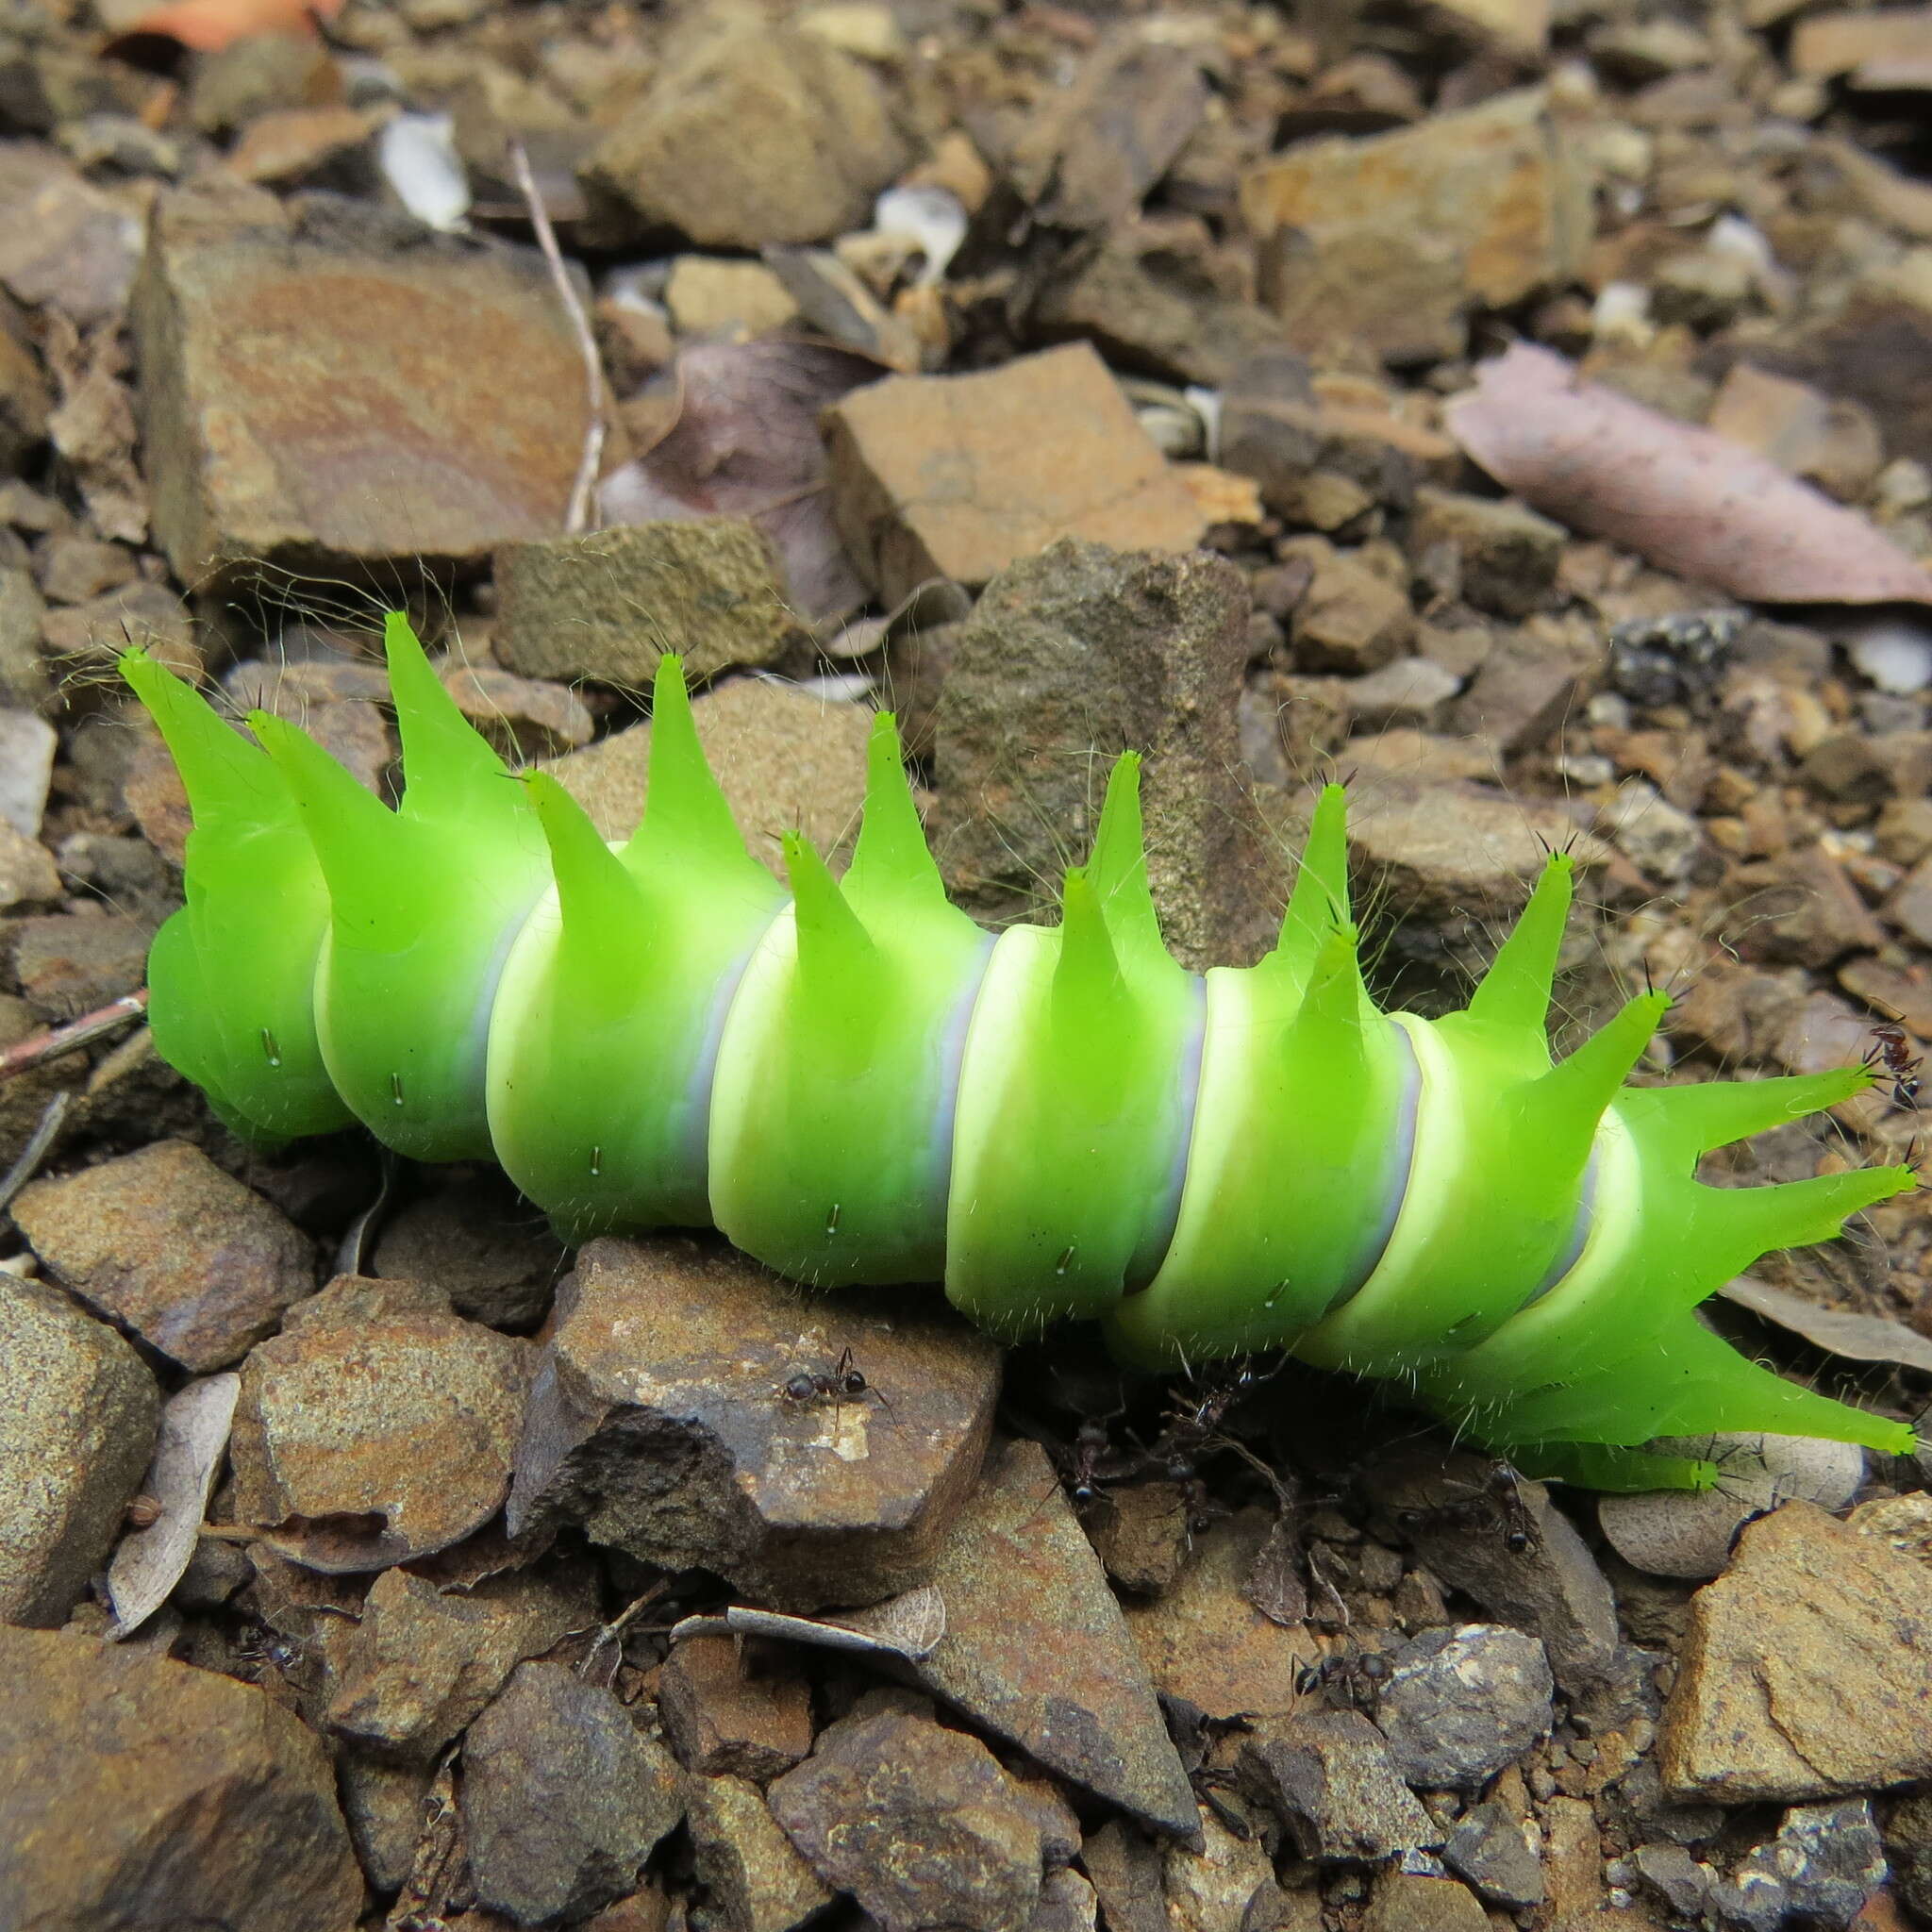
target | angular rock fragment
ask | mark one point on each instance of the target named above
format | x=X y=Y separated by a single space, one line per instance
x=724 y=1717
x=425 y=1660
x=141 y=1791
x=1506 y=554
x=1389 y=241
x=564 y=1798
x=960 y=475
x=1037 y=1651
x=309 y=402
x=1812 y=1620
x=474 y=1238
x=756 y=1877
x=608 y=604
x=679 y=157
x=1488 y=1849
x=1413 y=1902
x=1103 y=652
x=76 y=1430
x=1210 y=1889
x=1330 y=1778
x=1458 y=1705
x=377 y=1427
x=163 y=1241
x=659 y=1421
x=67 y=243
x=919 y=1824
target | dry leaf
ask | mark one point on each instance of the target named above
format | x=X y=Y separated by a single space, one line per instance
x=745 y=441
x=148 y=1563
x=1689 y=501
x=907 y=1626
x=209 y=26
x=1854 y=1337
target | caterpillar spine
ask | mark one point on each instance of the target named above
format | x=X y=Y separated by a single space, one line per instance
x=855 y=1083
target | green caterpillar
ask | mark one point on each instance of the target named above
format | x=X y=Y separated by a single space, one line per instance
x=856 y=1083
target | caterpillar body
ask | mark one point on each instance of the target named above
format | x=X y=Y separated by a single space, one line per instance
x=856 y=1083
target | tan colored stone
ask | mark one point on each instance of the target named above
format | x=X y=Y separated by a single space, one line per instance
x=293 y=142
x=1834 y=443
x=1829 y=44
x=1349 y=619
x=959 y=475
x=1387 y=242
x=708 y=297
x=27 y=872
x=722 y=1718
x=685 y=156
x=1812 y=1625
x=755 y=1878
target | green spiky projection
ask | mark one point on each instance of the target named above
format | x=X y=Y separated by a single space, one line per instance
x=857 y=1084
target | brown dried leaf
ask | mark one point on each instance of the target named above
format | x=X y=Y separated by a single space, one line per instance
x=1854 y=1337
x=745 y=441
x=1689 y=501
x=148 y=1563
x=908 y=1626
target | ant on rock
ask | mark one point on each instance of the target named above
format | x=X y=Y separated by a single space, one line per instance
x=845 y=1382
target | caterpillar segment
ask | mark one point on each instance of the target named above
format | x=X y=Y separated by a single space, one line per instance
x=856 y=1083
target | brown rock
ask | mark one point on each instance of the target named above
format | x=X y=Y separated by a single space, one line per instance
x=1322 y=462
x=1349 y=619
x=563 y=1797
x=68 y=963
x=1878 y=49
x=786 y=760
x=960 y=475
x=756 y=1877
x=679 y=157
x=1408 y=1902
x=67 y=243
x=1330 y=1779
x=165 y=1243
x=1526 y=686
x=573 y=606
x=1204 y=1640
x=723 y=1717
x=1507 y=555
x=1498 y=191
x=1813 y=1622
x=295 y=143
x=522 y=717
x=1102 y=653
x=140 y=1792
x=475 y=1239
x=1836 y=444
x=1037 y=1651
x=708 y=296
x=1209 y=1890
x=1909 y=909
x=26 y=402
x=1142 y=1534
x=311 y=403
x=383 y=1806
x=76 y=1434
x=378 y=1427
x=1803 y=910
x=28 y=872
x=424 y=1661
x=683 y=1350
x=1124 y=1867
x=920 y=1824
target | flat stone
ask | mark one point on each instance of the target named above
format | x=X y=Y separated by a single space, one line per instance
x=68 y=244
x=68 y=963
x=960 y=475
x=425 y=1660
x=23 y=680
x=1812 y=1622
x=1489 y=1849
x=576 y=607
x=383 y=1805
x=29 y=875
x=564 y=1798
x=756 y=1877
x=1101 y=653
x=76 y=1434
x=708 y=295
x=679 y=159
x=919 y=1824
x=1067 y=1903
x=27 y=745
x=1388 y=242
x=474 y=1238
x=310 y=403
x=785 y=759
x=1210 y=1889
x=723 y=1716
x=1037 y=1650
x=1525 y=689
x=1141 y=1535
x=1460 y=1705
x=1507 y=555
x=659 y=1422
x=1329 y=1777
x=1321 y=463
x=378 y=1427
x=164 y=1242
x=1349 y=619
x=525 y=718
x=142 y=1791
x=1411 y=1902
x=1204 y=1642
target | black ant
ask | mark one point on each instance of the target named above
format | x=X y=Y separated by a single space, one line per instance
x=1498 y=1501
x=1347 y=1681
x=1889 y=1050
x=846 y=1383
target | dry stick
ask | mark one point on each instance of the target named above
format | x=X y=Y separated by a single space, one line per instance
x=45 y=1132
x=81 y=1032
x=577 y=517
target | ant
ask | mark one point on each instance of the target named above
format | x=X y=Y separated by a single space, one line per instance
x=1499 y=1502
x=1889 y=1050
x=1346 y=1681
x=846 y=1383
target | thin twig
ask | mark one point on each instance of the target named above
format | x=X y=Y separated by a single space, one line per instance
x=82 y=1032
x=46 y=1130
x=577 y=517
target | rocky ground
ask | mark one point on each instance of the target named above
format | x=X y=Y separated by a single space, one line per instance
x=1070 y=378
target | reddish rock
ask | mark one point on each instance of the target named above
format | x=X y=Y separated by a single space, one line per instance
x=959 y=475
x=721 y=1716
x=164 y=1242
